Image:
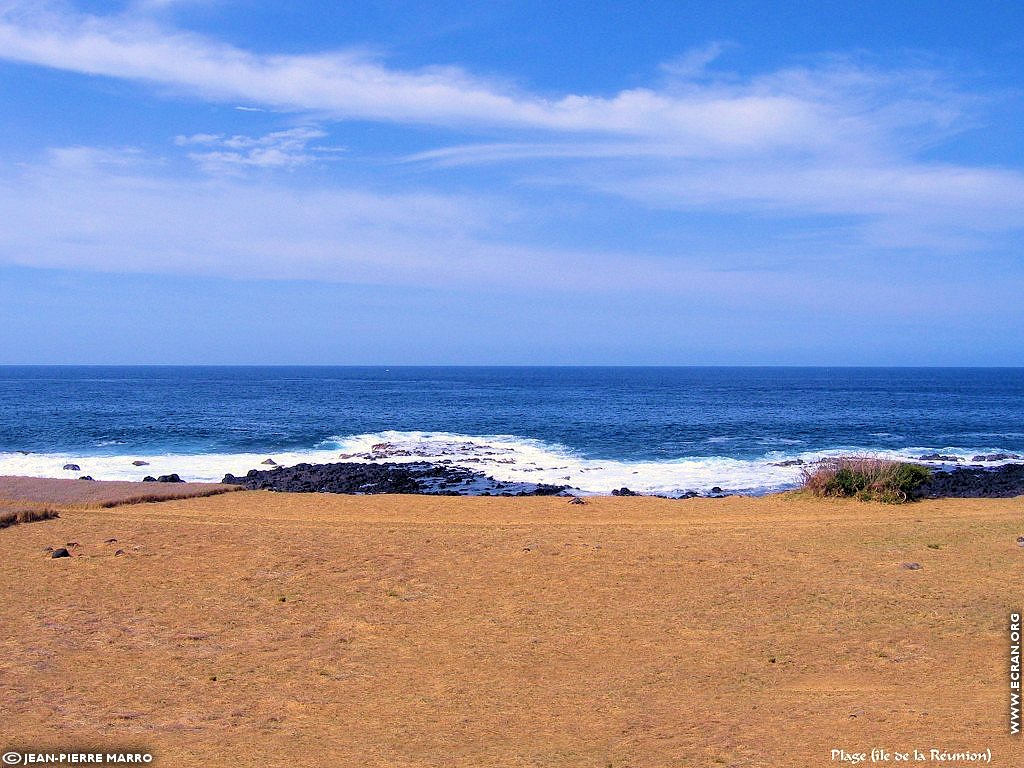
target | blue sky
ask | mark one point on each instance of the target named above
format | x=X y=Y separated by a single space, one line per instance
x=193 y=181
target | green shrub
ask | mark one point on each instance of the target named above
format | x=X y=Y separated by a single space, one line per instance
x=866 y=478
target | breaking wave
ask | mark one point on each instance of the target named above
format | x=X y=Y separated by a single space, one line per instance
x=503 y=457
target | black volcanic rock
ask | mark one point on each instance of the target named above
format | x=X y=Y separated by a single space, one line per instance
x=413 y=477
x=938 y=457
x=975 y=482
x=996 y=457
x=172 y=478
x=624 y=492
x=544 y=489
x=73 y=467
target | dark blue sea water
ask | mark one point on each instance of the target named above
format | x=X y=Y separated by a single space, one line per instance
x=658 y=429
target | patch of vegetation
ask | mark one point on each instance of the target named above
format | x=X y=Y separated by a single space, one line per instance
x=13 y=517
x=866 y=478
x=148 y=498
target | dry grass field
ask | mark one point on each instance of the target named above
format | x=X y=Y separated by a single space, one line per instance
x=100 y=493
x=262 y=629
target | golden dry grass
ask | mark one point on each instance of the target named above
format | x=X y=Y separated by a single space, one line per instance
x=9 y=517
x=101 y=493
x=256 y=629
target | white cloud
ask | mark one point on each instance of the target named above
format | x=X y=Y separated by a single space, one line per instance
x=794 y=111
x=900 y=205
x=81 y=159
x=121 y=218
x=834 y=139
x=897 y=202
x=147 y=6
x=694 y=63
x=198 y=138
x=280 y=149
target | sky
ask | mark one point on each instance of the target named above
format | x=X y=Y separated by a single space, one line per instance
x=535 y=183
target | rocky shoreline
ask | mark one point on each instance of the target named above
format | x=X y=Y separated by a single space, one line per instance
x=1002 y=482
x=448 y=480
x=414 y=477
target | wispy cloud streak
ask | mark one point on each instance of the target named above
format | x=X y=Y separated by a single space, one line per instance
x=290 y=148
x=795 y=111
x=834 y=139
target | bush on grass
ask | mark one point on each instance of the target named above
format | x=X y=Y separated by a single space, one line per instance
x=892 y=482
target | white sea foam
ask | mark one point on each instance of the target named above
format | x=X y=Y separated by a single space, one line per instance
x=199 y=467
x=514 y=459
x=503 y=457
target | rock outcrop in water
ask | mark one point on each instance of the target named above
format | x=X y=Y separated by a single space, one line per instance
x=173 y=478
x=414 y=477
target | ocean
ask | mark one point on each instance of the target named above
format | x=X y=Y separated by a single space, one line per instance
x=653 y=430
